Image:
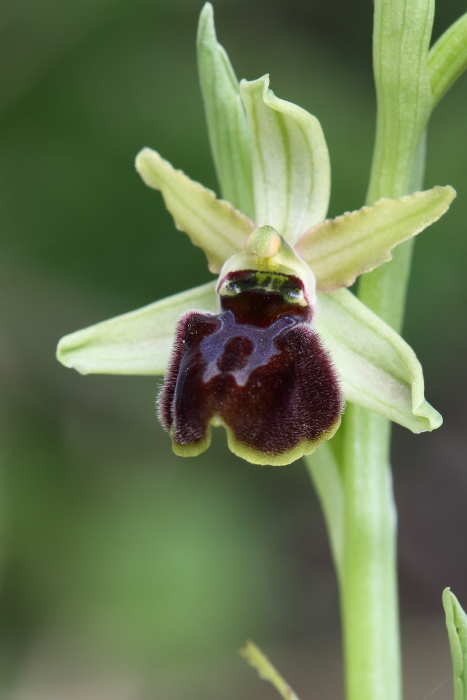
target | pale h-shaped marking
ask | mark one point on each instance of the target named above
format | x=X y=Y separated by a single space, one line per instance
x=212 y=346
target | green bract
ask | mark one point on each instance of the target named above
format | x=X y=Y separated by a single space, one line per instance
x=456 y=623
x=255 y=657
x=272 y=162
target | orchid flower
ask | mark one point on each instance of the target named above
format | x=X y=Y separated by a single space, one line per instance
x=270 y=349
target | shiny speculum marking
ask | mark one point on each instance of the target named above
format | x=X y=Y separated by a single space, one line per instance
x=261 y=340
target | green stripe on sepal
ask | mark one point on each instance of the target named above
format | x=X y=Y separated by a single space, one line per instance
x=456 y=623
x=227 y=125
x=291 y=169
x=377 y=368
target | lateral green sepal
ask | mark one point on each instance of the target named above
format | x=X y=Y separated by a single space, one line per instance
x=378 y=370
x=139 y=342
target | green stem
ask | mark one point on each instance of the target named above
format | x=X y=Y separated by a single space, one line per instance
x=368 y=581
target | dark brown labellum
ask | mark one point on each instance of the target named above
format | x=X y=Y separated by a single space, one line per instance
x=258 y=368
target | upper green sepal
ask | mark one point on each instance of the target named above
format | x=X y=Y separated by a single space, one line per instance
x=291 y=169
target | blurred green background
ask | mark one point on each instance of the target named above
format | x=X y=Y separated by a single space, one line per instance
x=127 y=573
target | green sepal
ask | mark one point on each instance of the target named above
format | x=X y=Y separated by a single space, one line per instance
x=227 y=125
x=291 y=170
x=212 y=224
x=378 y=370
x=139 y=342
x=447 y=58
x=456 y=623
x=338 y=250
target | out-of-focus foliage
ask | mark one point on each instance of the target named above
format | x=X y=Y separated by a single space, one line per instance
x=119 y=561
